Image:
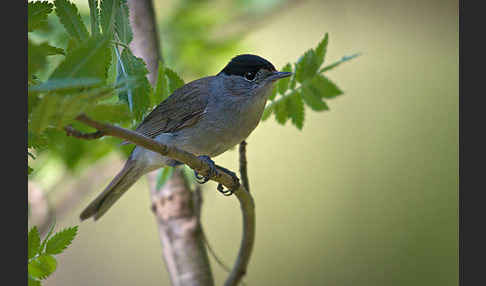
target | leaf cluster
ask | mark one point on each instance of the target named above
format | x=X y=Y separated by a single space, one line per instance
x=41 y=262
x=98 y=75
x=308 y=86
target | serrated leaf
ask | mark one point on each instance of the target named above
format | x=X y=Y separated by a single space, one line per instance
x=122 y=24
x=89 y=59
x=71 y=19
x=65 y=84
x=42 y=266
x=162 y=176
x=114 y=113
x=307 y=66
x=295 y=107
x=313 y=100
x=36 y=56
x=107 y=16
x=175 y=81
x=94 y=17
x=321 y=50
x=267 y=112
x=283 y=84
x=37 y=14
x=161 y=86
x=135 y=67
x=42 y=113
x=60 y=241
x=281 y=113
x=324 y=87
x=33 y=242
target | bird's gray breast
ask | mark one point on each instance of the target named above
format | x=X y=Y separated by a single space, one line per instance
x=230 y=116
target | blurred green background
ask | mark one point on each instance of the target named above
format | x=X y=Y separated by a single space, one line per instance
x=366 y=193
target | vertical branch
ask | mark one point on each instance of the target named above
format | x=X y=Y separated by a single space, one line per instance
x=243 y=166
x=175 y=208
x=177 y=213
x=145 y=43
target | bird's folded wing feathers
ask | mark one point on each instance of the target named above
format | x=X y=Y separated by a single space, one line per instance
x=181 y=109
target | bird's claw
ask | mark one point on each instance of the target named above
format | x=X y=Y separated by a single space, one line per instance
x=236 y=181
x=212 y=170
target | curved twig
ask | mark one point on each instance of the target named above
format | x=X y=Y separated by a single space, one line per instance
x=243 y=166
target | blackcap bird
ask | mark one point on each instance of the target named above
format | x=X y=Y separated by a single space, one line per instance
x=205 y=117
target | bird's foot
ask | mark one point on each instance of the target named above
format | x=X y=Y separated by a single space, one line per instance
x=236 y=181
x=212 y=170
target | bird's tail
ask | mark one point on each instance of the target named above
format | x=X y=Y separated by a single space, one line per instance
x=130 y=173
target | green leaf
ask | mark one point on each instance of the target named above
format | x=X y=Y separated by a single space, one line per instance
x=42 y=266
x=135 y=67
x=306 y=66
x=281 y=112
x=161 y=87
x=312 y=99
x=162 y=176
x=89 y=59
x=321 y=50
x=36 y=56
x=33 y=242
x=107 y=13
x=71 y=19
x=283 y=84
x=114 y=113
x=61 y=240
x=94 y=17
x=42 y=113
x=33 y=282
x=324 y=87
x=267 y=112
x=122 y=24
x=65 y=84
x=29 y=170
x=295 y=107
x=175 y=81
x=49 y=233
x=37 y=14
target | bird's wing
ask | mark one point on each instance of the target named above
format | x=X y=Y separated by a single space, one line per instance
x=181 y=109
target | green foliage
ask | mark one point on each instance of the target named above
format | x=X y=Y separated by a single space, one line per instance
x=61 y=240
x=41 y=262
x=167 y=82
x=91 y=77
x=71 y=19
x=135 y=67
x=37 y=14
x=307 y=86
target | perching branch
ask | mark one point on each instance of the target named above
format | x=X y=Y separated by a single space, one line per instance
x=243 y=166
x=246 y=201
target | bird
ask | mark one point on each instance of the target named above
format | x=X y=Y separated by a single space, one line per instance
x=205 y=117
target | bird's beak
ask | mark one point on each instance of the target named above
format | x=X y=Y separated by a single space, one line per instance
x=278 y=75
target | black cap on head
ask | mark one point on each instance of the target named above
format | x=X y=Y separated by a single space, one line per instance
x=242 y=64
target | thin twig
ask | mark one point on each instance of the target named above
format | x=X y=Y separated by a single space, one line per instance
x=243 y=166
x=70 y=131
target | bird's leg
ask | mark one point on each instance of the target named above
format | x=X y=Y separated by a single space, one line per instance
x=212 y=170
x=235 y=180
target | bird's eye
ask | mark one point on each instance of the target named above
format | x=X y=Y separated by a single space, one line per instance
x=249 y=75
